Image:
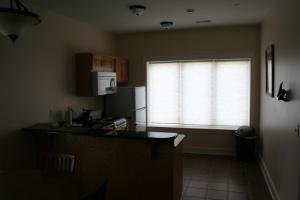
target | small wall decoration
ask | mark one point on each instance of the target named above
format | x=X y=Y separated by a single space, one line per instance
x=283 y=94
x=269 y=53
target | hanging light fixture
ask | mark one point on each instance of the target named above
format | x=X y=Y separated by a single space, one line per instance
x=166 y=24
x=138 y=10
x=16 y=19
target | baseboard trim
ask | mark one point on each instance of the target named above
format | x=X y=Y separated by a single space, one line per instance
x=271 y=186
x=208 y=151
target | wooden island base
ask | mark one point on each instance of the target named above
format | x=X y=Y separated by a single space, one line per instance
x=136 y=168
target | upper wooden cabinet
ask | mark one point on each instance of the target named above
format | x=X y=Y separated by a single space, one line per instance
x=89 y=62
x=95 y=63
x=121 y=68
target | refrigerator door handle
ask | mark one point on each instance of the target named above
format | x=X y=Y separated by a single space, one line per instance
x=140 y=109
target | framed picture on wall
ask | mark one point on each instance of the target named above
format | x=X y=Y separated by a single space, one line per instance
x=269 y=54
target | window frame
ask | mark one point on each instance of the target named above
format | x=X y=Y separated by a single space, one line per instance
x=198 y=127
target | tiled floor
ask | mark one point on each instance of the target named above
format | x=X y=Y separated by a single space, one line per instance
x=222 y=178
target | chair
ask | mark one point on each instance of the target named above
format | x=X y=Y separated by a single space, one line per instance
x=57 y=163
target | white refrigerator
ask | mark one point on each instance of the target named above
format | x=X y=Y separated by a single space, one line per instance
x=129 y=102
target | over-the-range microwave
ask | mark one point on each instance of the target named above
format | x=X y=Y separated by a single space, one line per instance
x=104 y=83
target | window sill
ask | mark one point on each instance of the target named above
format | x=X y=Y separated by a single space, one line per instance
x=192 y=127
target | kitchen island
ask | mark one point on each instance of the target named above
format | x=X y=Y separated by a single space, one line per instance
x=138 y=165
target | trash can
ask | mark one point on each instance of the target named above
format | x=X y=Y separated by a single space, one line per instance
x=245 y=143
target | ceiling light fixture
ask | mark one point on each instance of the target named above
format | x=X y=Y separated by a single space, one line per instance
x=190 y=10
x=138 y=9
x=203 y=21
x=166 y=24
x=16 y=19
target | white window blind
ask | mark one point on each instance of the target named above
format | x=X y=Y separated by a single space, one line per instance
x=199 y=93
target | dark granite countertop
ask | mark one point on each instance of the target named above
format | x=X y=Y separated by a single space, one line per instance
x=148 y=135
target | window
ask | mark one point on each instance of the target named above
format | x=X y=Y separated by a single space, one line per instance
x=198 y=93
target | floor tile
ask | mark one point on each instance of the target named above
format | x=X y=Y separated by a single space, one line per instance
x=259 y=196
x=217 y=194
x=222 y=178
x=217 y=186
x=192 y=198
x=238 y=196
x=239 y=180
x=195 y=192
x=238 y=188
x=198 y=184
x=219 y=179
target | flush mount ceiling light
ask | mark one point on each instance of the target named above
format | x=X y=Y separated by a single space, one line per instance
x=203 y=21
x=190 y=10
x=16 y=19
x=137 y=9
x=166 y=24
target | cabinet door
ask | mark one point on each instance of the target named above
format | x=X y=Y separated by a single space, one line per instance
x=103 y=63
x=107 y=63
x=121 y=68
x=96 y=64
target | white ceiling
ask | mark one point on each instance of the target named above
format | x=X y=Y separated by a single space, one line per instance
x=115 y=16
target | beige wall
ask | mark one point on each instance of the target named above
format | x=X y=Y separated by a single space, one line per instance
x=218 y=42
x=37 y=74
x=280 y=146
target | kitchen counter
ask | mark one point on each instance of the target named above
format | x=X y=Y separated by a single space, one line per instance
x=96 y=132
x=138 y=165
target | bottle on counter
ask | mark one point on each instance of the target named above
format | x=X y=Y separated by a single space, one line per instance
x=69 y=117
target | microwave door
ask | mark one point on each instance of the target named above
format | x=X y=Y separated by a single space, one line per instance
x=102 y=85
x=106 y=85
x=112 y=86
